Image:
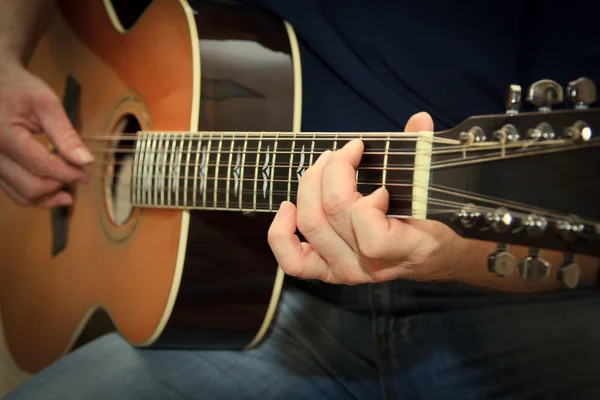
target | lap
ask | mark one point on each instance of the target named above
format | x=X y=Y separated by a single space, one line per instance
x=455 y=346
x=394 y=344
x=306 y=356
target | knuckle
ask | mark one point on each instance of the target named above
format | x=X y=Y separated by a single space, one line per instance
x=67 y=139
x=333 y=204
x=45 y=99
x=307 y=226
x=40 y=166
x=370 y=247
x=273 y=236
x=352 y=279
x=22 y=201
x=295 y=269
x=38 y=189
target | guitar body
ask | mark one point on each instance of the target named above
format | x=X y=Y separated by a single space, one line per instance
x=166 y=278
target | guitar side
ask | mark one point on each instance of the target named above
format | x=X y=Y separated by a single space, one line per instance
x=157 y=273
x=231 y=283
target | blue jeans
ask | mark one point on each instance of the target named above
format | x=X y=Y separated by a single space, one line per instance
x=388 y=341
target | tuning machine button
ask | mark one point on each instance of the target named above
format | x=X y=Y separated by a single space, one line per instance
x=532 y=268
x=568 y=273
x=543 y=131
x=508 y=133
x=580 y=130
x=468 y=215
x=501 y=262
x=570 y=229
x=582 y=92
x=473 y=135
x=535 y=225
x=513 y=99
x=544 y=94
x=500 y=220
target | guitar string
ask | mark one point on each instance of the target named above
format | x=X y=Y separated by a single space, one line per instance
x=456 y=205
x=456 y=146
x=165 y=175
x=319 y=150
x=449 y=206
x=390 y=166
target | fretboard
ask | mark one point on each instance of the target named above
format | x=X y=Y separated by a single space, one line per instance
x=254 y=171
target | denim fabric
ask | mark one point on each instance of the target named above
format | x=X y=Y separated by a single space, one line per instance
x=386 y=341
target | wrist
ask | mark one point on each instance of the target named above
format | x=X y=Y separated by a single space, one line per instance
x=9 y=59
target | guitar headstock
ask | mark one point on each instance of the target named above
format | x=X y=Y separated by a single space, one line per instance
x=525 y=178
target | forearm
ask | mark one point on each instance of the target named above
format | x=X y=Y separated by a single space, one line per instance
x=22 y=23
x=471 y=266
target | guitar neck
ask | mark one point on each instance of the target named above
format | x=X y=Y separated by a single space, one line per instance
x=256 y=171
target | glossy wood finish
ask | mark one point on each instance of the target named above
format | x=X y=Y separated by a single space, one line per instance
x=247 y=85
x=129 y=269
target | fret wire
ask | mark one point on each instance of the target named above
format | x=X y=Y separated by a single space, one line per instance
x=187 y=170
x=289 y=183
x=271 y=174
x=204 y=169
x=256 y=173
x=228 y=185
x=136 y=160
x=164 y=160
x=160 y=163
x=151 y=166
x=335 y=141
x=240 y=179
x=385 y=161
x=312 y=150
x=176 y=178
x=171 y=167
x=216 y=183
x=142 y=169
x=196 y=169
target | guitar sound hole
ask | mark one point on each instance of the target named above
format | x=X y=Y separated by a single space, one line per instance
x=118 y=171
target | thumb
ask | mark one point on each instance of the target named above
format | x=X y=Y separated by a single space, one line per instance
x=55 y=124
x=420 y=122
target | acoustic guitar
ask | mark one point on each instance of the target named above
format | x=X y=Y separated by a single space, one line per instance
x=193 y=111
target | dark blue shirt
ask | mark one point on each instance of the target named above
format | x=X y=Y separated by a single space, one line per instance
x=368 y=65
x=371 y=64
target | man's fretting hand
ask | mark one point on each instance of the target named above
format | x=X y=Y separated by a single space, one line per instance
x=350 y=238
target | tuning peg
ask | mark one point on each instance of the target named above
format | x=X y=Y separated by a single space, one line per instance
x=535 y=225
x=568 y=273
x=533 y=268
x=544 y=94
x=501 y=262
x=468 y=215
x=513 y=99
x=580 y=130
x=500 y=219
x=582 y=92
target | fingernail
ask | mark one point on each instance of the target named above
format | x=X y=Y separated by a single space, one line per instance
x=284 y=209
x=323 y=157
x=65 y=201
x=83 y=155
